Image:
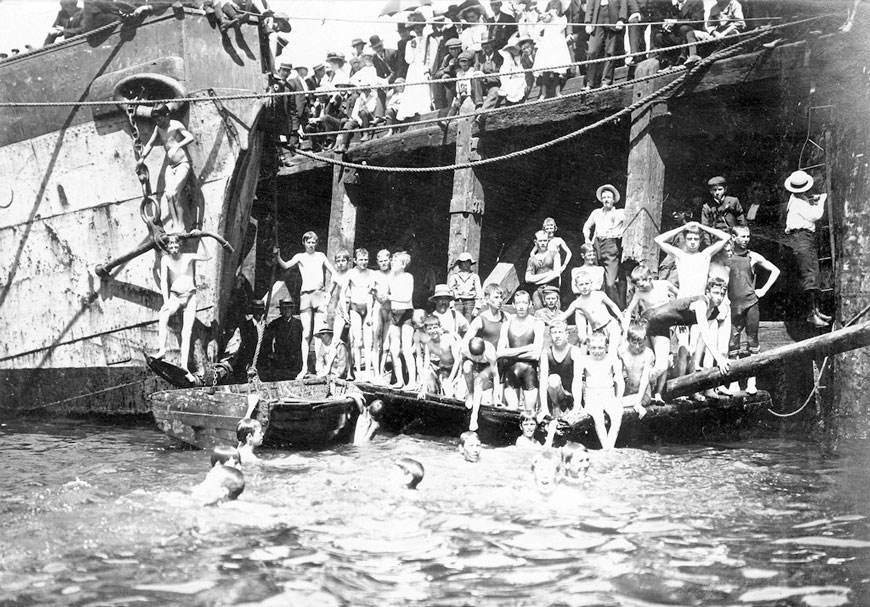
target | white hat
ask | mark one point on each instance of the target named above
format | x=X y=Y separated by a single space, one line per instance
x=799 y=181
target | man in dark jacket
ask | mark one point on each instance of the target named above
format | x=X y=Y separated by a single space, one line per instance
x=605 y=23
x=684 y=18
x=503 y=24
x=67 y=24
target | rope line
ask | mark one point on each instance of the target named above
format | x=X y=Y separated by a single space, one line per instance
x=519 y=153
x=524 y=23
x=267 y=95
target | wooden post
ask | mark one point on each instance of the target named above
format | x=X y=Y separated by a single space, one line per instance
x=466 y=205
x=843 y=340
x=342 y=214
x=644 y=190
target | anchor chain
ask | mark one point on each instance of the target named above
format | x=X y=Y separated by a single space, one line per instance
x=149 y=208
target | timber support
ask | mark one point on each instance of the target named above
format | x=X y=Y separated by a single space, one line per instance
x=342 y=213
x=467 y=202
x=644 y=190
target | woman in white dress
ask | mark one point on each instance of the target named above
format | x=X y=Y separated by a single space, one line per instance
x=553 y=48
x=416 y=99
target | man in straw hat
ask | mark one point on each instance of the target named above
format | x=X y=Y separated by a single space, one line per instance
x=450 y=320
x=608 y=223
x=802 y=214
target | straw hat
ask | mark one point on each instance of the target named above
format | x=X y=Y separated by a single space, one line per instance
x=799 y=181
x=441 y=291
x=323 y=329
x=256 y=306
x=465 y=256
x=604 y=188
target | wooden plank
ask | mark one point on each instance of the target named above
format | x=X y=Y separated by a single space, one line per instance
x=342 y=214
x=644 y=190
x=467 y=202
x=843 y=340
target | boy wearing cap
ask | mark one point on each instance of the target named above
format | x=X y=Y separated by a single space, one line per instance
x=722 y=212
x=608 y=223
x=357 y=45
x=451 y=321
x=467 y=86
x=465 y=286
x=552 y=306
x=448 y=68
x=281 y=340
x=488 y=61
x=802 y=214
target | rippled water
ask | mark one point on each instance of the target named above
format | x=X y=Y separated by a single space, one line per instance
x=96 y=515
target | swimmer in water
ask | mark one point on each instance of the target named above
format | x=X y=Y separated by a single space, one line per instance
x=575 y=463
x=223 y=483
x=369 y=420
x=528 y=426
x=227 y=456
x=412 y=472
x=546 y=468
x=249 y=433
x=469 y=446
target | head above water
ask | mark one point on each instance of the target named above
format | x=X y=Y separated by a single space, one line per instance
x=469 y=446
x=249 y=432
x=545 y=468
x=228 y=456
x=575 y=461
x=412 y=470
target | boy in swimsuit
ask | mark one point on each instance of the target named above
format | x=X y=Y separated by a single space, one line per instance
x=480 y=369
x=528 y=427
x=519 y=349
x=380 y=313
x=178 y=286
x=174 y=137
x=312 y=266
x=359 y=291
x=544 y=268
x=487 y=324
x=561 y=372
x=338 y=306
x=441 y=361
x=649 y=294
x=555 y=243
x=223 y=483
x=637 y=364
x=594 y=312
x=604 y=389
x=401 y=291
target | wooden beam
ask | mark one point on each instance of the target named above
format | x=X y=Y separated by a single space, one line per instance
x=842 y=340
x=342 y=214
x=644 y=190
x=467 y=203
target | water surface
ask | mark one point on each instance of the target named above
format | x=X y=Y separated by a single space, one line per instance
x=100 y=515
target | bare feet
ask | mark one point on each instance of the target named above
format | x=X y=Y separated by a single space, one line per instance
x=302 y=373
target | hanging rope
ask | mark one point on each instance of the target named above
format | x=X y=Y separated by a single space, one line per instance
x=266 y=95
x=537 y=148
x=818 y=381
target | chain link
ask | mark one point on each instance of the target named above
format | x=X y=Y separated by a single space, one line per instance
x=149 y=209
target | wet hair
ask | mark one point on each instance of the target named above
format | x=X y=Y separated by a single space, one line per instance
x=361 y=251
x=466 y=436
x=232 y=480
x=581 y=274
x=414 y=468
x=692 y=230
x=541 y=234
x=526 y=416
x=310 y=234
x=736 y=228
x=640 y=272
x=491 y=288
x=597 y=336
x=387 y=251
x=173 y=238
x=222 y=455
x=404 y=257
x=161 y=109
x=636 y=330
x=431 y=320
x=572 y=451
x=548 y=454
x=246 y=428
x=561 y=324
x=716 y=282
x=341 y=253
x=376 y=409
x=476 y=346
x=522 y=293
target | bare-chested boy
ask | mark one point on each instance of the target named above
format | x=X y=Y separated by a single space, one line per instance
x=594 y=312
x=174 y=137
x=381 y=312
x=312 y=266
x=604 y=389
x=178 y=286
x=441 y=360
x=649 y=294
x=362 y=305
x=544 y=267
x=555 y=243
x=637 y=365
x=338 y=305
x=519 y=347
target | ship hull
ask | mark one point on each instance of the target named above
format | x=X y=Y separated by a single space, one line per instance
x=73 y=340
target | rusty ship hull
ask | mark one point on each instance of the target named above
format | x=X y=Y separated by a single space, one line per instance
x=73 y=341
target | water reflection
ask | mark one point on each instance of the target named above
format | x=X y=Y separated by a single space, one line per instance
x=96 y=515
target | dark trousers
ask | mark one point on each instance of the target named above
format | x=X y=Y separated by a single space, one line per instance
x=602 y=43
x=806 y=252
x=609 y=252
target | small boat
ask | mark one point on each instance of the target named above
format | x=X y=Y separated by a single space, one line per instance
x=309 y=413
x=678 y=421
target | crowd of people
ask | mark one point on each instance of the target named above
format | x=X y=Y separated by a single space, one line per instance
x=628 y=332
